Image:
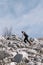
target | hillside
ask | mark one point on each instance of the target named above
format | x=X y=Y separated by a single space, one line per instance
x=13 y=51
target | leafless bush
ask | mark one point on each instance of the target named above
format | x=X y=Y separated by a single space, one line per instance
x=7 y=31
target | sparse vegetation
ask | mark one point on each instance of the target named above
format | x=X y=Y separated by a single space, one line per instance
x=7 y=31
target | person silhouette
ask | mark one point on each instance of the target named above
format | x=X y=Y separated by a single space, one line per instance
x=26 y=37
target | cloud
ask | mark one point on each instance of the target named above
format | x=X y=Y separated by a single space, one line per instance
x=24 y=15
x=16 y=8
x=32 y=22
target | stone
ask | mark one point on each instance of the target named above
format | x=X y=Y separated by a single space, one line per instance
x=17 y=58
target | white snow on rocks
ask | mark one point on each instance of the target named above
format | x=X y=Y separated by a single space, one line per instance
x=31 y=54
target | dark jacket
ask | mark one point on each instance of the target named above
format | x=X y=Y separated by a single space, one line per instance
x=25 y=35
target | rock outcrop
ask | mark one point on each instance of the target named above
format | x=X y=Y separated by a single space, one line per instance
x=13 y=51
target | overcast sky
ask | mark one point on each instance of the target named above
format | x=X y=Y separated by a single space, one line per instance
x=21 y=15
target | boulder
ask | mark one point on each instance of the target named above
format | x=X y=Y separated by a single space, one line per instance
x=17 y=58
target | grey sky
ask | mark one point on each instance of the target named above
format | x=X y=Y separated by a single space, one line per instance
x=24 y=15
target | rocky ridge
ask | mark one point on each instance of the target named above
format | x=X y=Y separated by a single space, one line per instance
x=13 y=51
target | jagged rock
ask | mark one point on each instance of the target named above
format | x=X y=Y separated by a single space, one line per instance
x=41 y=50
x=3 y=54
x=25 y=55
x=17 y=58
x=32 y=51
x=1 y=46
x=25 y=60
x=12 y=63
x=42 y=61
x=31 y=63
x=26 y=45
x=22 y=45
x=18 y=45
x=36 y=59
x=29 y=54
x=31 y=39
x=2 y=38
x=10 y=45
x=8 y=38
x=41 y=45
x=38 y=63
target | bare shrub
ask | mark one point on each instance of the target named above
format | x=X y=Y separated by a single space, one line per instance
x=7 y=31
